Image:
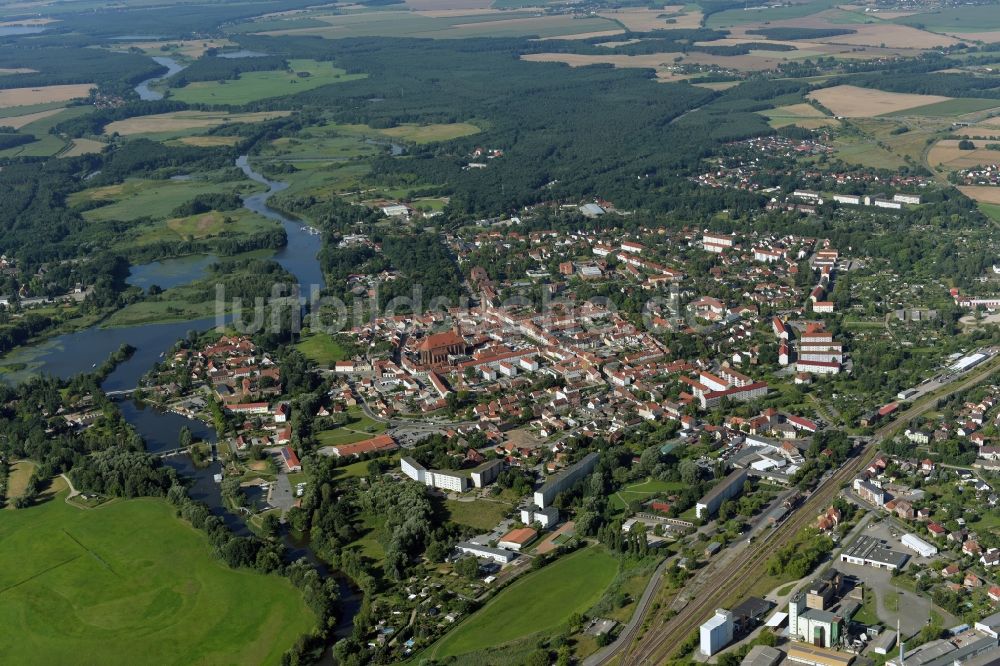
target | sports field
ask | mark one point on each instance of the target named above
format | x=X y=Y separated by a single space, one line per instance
x=252 y=86
x=128 y=583
x=643 y=491
x=537 y=602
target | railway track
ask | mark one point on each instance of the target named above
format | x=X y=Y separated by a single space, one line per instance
x=738 y=576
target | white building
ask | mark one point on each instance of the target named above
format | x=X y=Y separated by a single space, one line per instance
x=906 y=198
x=496 y=554
x=851 y=199
x=546 y=517
x=717 y=633
x=918 y=545
x=453 y=481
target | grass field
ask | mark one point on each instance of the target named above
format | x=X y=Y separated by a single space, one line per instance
x=537 y=602
x=991 y=211
x=359 y=428
x=479 y=514
x=148 y=198
x=130 y=583
x=644 y=490
x=732 y=17
x=17 y=481
x=321 y=348
x=957 y=19
x=952 y=107
x=429 y=133
x=47 y=144
x=252 y=86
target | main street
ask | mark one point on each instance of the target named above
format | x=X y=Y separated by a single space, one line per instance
x=735 y=576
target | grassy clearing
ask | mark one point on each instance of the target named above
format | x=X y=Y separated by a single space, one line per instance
x=359 y=427
x=957 y=19
x=430 y=133
x=171 y=309
x=17 y=481
x=643 y=491
x=157 y=199
x=479 y=514
x=128 y=582
x=321 y=348
x=252 y=86
x=537 y=602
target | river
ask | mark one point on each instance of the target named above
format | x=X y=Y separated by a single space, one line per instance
x=72 y=353
x=143 y=89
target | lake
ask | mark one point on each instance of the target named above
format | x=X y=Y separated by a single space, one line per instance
x=168 y=273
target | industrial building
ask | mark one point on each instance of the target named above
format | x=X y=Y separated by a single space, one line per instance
x=918 y=545
x=565 y=479
x=822 y=591
x=872 y=552
x=728 y=488
x=968 y=647
x=717 y=633
x=811 y=625
x=811 y=655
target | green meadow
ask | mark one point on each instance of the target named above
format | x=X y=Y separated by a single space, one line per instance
x=252 y=86
x=537 y=602
x=129 y=583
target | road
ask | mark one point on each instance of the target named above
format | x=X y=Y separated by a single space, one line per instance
x=733 y=577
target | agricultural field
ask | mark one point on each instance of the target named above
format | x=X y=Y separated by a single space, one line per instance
x=190 y=49
x=79 y=147
x=140 y=198
x=47 y=144
x=128 y=580
x=947 y=154
x=207 y=141
x=11 y=97
x=671 y=17
x=253 y=86
x=17 y=122
x=446 y=25
x=983 y=194
x=479 y=514
x=165 y=125
x=538 y=602
x=802 y=115
x=855 y=102
x=954 y=20
x=954 y=107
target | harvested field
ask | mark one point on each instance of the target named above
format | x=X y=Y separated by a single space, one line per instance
x=982 y=193
x=189 y=48
x=83 y=147
x=17 y=122
x=947 y=153
x=27 y=96
x=209 y=141
x=651 y=60
x=588 y=35
x=646 y=20
x=186 y=120
x=717 y=85
x=855 y=102
x=448 y=4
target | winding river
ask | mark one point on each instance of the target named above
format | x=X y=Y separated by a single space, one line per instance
x=72 y=353
x=143 y=89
